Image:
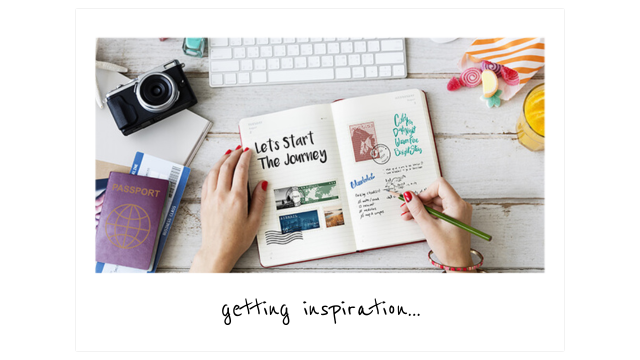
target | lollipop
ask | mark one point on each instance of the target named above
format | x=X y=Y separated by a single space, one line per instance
x=487 y=65
x=510 y=76
x=471 y=77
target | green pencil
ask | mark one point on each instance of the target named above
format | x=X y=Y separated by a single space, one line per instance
x=451 y=220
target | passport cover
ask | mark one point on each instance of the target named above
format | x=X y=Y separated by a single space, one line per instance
x=131 y=215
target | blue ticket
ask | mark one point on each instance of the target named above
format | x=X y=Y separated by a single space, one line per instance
x=307 y=220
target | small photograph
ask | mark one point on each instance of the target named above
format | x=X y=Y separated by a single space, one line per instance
x=307 y=220
x=333 y=216
x=363 y=139
x=287 y=197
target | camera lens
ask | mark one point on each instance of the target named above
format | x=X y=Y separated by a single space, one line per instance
x=157 y=92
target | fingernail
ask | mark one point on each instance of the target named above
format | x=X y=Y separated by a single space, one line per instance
x=246 y=149
x=403 y=204
x=264 y=185
x=407 y=196
x=404 y=213
x=228 y=152
x=239 y=146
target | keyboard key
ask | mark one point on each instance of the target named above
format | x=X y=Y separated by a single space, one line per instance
x=246 y=65
x=253 y=52
x=327 y=61
x=391 y=45
x=372 y=71
x=320 y=49
x=262 y=41
x=385 y=71
x=289 y=40
x=302 y=40
x=293 y=50
x=314 y=61
x=333 y=48
x=300 y=62
x=343 y=73
x=342 y=39
x=301 y=75
x=235 y=41
x=275 y=40
x=273 y=64
x=374 y=45
x=279 y=50
x=260 y=64
x=218 y=42
x=215 y=79
x=266 y=51
x=398 y=70
x=249 y=41
x=243 y=78
x=239 y=53
x=259 y=77
x=367 y=59
x=358 y=72
x=287 y=63
x=360 y=46
x=341 y=60
x=389 y=58
x=354 y=60
x=222 y=66
x=220 y=54
x=230 y=79
x=315 y=39
x=306 y=49
x=329 y=39
x=346 y=47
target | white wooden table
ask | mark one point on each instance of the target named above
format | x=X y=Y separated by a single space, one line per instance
x=479 y=153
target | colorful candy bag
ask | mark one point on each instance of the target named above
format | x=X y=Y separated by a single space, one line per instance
x=523 y=55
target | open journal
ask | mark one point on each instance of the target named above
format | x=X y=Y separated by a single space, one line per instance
x=328 y=168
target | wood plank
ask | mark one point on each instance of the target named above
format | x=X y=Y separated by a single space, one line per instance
x=517 y=229
x=458 y=112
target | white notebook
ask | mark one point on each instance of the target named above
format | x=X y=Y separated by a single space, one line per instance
x=328 y=168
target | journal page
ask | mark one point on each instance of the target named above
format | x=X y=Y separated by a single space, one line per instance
x=386 y=143
x=306 y=215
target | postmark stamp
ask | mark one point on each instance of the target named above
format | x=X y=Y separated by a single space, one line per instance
x=294 y=196
x=380 y=154
x=363 y=139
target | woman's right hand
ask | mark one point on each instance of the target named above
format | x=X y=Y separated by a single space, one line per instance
x=450 y=243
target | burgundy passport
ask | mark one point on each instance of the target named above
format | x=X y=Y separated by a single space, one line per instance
x=131 y=215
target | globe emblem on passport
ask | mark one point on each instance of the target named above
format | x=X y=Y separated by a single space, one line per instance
x=127 y=226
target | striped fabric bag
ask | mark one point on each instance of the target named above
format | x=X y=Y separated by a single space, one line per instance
x=524 y=55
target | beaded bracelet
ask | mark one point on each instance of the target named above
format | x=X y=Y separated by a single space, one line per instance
x=452 y=268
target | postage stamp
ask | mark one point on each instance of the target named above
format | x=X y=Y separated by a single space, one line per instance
x=363 y=139
x=333 y=216
x=307 y=220
x=294 y=196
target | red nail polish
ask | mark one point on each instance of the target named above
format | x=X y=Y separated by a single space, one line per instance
x=407 y=196
x=264 y=185
x=228 y=152
x=404 y=213
x=239 y=146
x=403 y=204
x=246 y=149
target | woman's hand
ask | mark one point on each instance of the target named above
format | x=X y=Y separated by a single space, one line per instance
x=449 y=243
x=228 y=224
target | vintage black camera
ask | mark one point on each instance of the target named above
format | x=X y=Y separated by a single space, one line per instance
x=151 y=97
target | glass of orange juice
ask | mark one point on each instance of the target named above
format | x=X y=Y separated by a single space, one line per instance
x=530 y=127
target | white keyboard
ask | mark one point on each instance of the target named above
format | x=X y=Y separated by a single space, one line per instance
x=267 y=61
